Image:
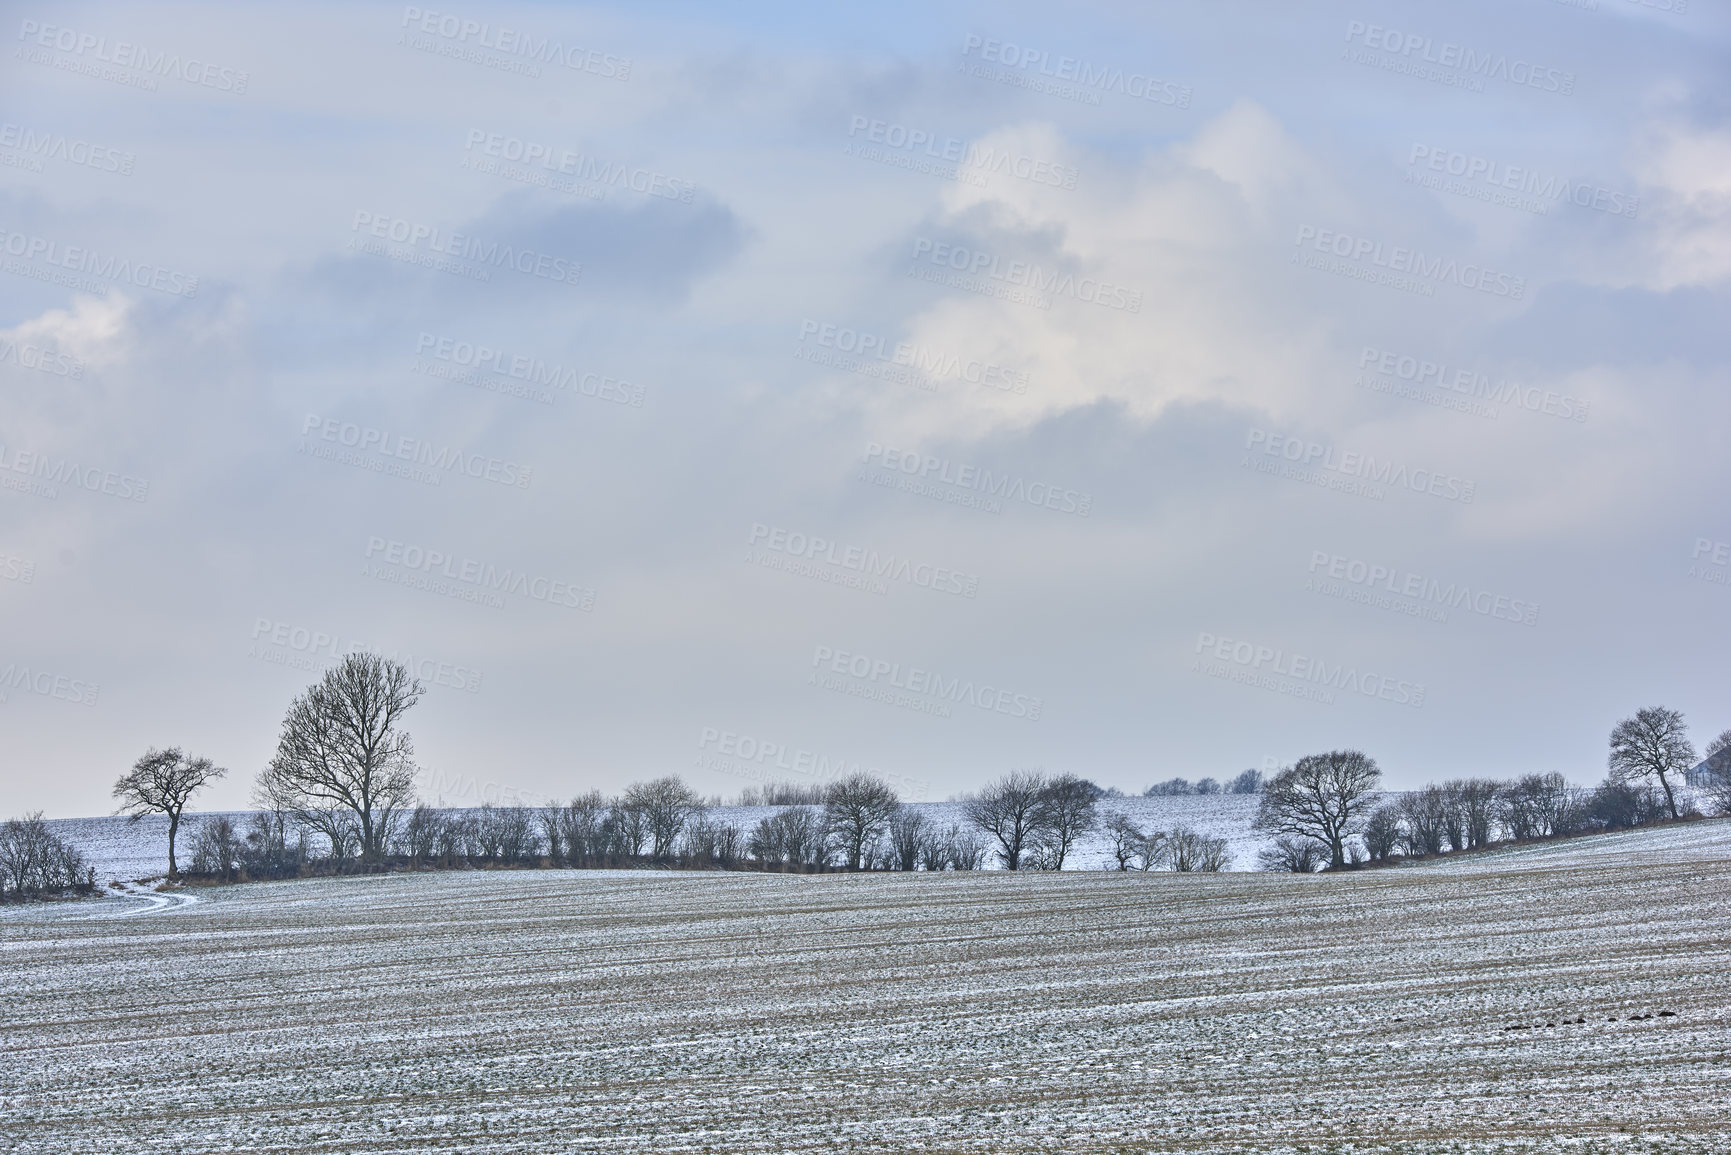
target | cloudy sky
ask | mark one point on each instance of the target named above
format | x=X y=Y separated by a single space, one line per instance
x=934 y=389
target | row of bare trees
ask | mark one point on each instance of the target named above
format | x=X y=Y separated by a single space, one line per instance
x=339 y=793
x=1327 y=810
x=1180 y=849
x=37 y=863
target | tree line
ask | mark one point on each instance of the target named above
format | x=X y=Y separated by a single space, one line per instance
x=339 y=795
x=1327 y=810
x=36 y=863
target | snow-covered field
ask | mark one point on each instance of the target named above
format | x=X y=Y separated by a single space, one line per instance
x=120 y=849
x=564 y=1011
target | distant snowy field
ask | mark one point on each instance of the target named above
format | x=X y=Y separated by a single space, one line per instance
x=1565 y=999
x=120 y=849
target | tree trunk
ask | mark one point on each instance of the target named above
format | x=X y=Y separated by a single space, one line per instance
x=173 y=828
x=1670 y=799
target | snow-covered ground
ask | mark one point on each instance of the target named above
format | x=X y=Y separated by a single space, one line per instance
x=1562 y=998
x=120 y=849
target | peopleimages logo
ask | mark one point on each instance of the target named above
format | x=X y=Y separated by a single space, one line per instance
x=466 y=578
x=17 y=569
x=394 y=447
x=868 y=564
x=1710 y=560
x=302 y=648
x=1424 y=596
x=47 y=472
x=1088 y=78
x=1401 y=267
x=40 y=146
x=82 y=263
x=879 y=680
x=1298 y=674
x=122 y=54
x=50 y=361
x=1423 y=372
x=1514 y=186
x=463 y=36
x=431 y=243
x=983 y=272
x=15 y=678
x=985 y=158
x=564 y=162
x=759 y=759
x=1359 y=467
x=994 y=488
x=1451 y=63
x=535 y=374
x=858 y=348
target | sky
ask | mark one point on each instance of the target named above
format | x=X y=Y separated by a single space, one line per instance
x=767 y=391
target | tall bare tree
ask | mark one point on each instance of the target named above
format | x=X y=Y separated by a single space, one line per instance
x=1322 y=796
x=910 y=833
x=1477 y=798
x=666 y=804
x=1067 y=814
x=1382 y=831
x=1011 y=810
x=1653 y=744
x=343 y=753
x=1127 y=838
x=163 y=782
x=858 y=809
x=1426 y=814
x=1718 y=768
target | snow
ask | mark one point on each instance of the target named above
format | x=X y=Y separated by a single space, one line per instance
x=573 y=1011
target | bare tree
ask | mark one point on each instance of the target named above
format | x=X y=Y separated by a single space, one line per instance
x=581 y=822
x=34 y=861
x=794 y=836
x=1155 y=853
x=1323 y=796
x=1425 y=813
x=857 y=810
x=963 y=848
x=163 y=782
x=1011 y=810
x=625 y=829
x=1539 y=806
x=1718 y=770
x=265 y=852
x=216 y=848
x=1653 y=744
x=1293 y=855
x=1248 y=782
x=666 y=804
x=1127 y=838
x=1476 y=798
x=1188 y=850
x=910 y=833
x=552 y=832
x=1382 y=831
x=419 y=840
x=1066 y=815
x=342 y=749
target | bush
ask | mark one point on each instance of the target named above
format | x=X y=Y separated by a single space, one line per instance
x=1291 y=855
x=36 y=863
x=216 y=849
x=1625 y=805
x=1249 y=782
x=1186 y=850
x=792 y=837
